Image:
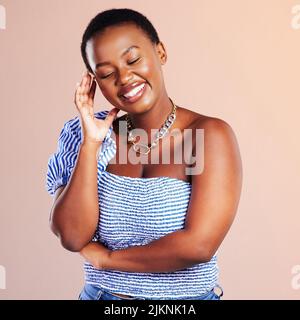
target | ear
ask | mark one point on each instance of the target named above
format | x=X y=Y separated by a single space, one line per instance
x=161 y=52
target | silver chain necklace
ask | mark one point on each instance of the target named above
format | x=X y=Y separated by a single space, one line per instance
x=143 y=148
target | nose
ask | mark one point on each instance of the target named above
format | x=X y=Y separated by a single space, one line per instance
x=124 y=76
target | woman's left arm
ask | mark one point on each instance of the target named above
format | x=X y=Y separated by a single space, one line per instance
x=213 y=204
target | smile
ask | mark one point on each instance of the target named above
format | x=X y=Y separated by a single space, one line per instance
x=134 y=94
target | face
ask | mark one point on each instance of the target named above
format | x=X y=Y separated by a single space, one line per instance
x=123 y=56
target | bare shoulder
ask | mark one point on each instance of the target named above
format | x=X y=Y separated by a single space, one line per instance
x=192 y=119
x=222 y=156
x=219 y=136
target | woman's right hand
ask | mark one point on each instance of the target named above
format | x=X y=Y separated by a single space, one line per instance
x=94 y=130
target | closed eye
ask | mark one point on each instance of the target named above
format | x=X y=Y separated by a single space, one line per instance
x=131 y=62
x=104 y=77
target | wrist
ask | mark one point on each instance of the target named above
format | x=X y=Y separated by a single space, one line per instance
x=91 y=144
x=104 y=262
x=90 y=147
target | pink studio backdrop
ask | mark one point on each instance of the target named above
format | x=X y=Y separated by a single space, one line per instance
x=236 y=60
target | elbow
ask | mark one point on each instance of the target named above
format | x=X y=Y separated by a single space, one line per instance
x=203 y=254
x=72 y=242
x=67 y=241
x=205 y=257
x=71 y=245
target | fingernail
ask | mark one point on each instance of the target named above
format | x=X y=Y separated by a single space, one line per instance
x=77 y=84
x=84 y=73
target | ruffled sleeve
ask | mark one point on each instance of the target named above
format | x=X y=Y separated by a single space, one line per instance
x=62 y=162
x=108 y=147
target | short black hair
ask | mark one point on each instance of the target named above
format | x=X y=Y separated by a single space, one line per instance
x=115 y=17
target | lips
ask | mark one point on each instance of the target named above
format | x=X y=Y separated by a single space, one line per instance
x=129 y=87
x=132 y=93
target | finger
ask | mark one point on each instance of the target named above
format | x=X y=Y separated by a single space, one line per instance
x=80 y=98
x=79 y=87
x=83 y=79
x=92 y=90
x=91 y=75
x=86 y=83
x=111 y=116
x=77 y=94
x=83 y=90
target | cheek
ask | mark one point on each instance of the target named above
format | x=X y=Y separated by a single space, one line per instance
x=146 y=68
x=106 y=90
x=151 y=69
x=109 y=91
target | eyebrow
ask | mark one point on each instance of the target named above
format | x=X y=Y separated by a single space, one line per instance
x=99 y=64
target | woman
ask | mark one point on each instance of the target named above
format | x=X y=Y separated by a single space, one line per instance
x=148 y=229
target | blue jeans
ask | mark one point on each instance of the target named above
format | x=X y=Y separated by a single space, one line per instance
x=91 y=292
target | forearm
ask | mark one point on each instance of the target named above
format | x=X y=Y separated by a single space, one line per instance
x=75 y=214
x=175 y=251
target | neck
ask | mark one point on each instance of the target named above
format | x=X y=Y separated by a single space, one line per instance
x=155 y=117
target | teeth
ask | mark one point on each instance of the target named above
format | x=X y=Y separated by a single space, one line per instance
x=134 y=91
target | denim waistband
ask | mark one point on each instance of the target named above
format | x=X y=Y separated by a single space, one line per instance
x=92 y=292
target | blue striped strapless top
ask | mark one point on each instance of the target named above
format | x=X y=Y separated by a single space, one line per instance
x=134 y=212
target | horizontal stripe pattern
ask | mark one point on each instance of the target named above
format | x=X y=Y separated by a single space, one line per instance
x=133 y=212
x=61 y=163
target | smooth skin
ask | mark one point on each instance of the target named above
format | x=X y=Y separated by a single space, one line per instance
x=75 y=211
x=215 y=192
